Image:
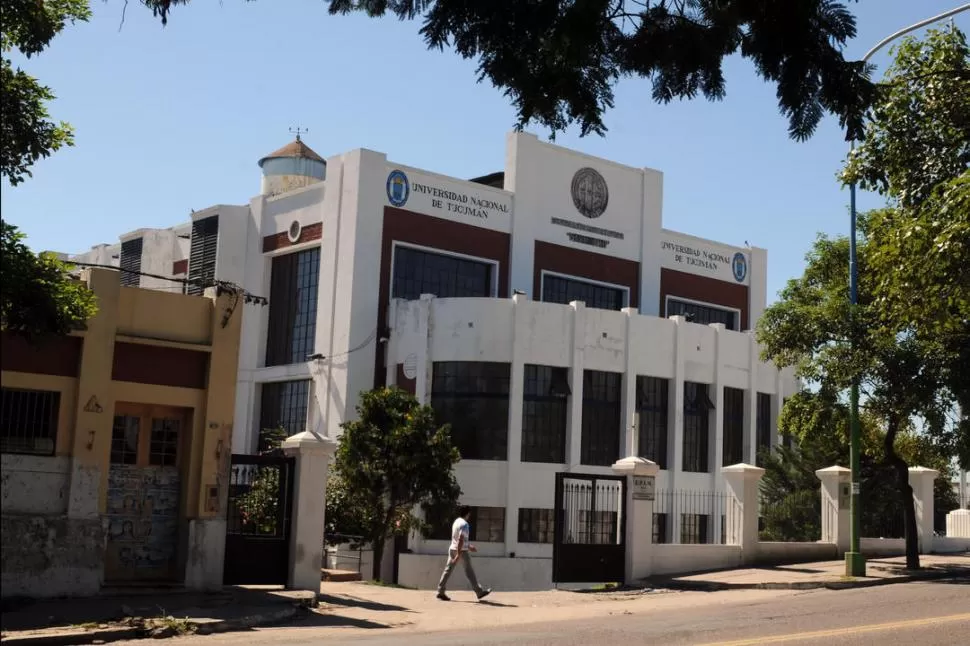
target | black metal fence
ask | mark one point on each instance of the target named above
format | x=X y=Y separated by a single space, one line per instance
x=692 y=517
x=792 y=517
x=354 y=552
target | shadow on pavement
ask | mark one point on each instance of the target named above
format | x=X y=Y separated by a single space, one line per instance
x=329 y=619
x=347 y=601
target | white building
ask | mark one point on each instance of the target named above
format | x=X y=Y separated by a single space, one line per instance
x=581 y=366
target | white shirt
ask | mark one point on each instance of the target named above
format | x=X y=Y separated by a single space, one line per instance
x=459 y=529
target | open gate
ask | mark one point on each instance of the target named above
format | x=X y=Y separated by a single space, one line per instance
x=259 y=520
x=590 y=515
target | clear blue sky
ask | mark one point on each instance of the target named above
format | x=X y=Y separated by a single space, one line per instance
x=173 y=119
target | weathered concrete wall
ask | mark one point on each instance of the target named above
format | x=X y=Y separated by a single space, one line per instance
x=206 y=554
x=50 y=556
x=34 y=484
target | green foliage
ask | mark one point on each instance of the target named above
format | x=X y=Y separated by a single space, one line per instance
x=39 y=298
x=259 y=508
x=391 y=460
x=919 y=134
x=28 y=133
x=558 y=62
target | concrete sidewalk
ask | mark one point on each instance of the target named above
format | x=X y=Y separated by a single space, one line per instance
x=131 y=614
x=826 y=574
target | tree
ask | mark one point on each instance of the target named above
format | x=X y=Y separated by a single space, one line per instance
x=39 y=297
x=558 y=61
x=901 y=378
x=27 y=132
x=389 y=461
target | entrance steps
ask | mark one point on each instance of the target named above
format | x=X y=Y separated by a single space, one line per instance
x=339 y=576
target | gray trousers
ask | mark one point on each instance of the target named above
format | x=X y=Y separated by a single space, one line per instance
x=466 y=560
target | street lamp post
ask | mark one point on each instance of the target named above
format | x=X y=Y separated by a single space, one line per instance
x=855 y=564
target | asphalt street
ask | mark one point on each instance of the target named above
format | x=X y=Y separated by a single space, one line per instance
x=927 y=614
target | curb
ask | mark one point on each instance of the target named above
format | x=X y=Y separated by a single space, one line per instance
x=715 y=586
x=107 y=635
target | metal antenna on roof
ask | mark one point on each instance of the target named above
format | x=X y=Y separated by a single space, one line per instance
x=298 y=130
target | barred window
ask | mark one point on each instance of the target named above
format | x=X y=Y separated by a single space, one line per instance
x=559 y=289
x=125 y=435
x=283 y=404
x=545 y=409
x=419 y=272
x=694 y=529
x=601 y=418
x=702 y=314
x=130 y=262
x=600 y=527
x=537 y=525
x=763 y=423
x=294 y=285
x=697 y=407
x=473 y=397
x=28 y=421
x=652 y=402
x=487 y=524
x=164 y=448
x=733 y=438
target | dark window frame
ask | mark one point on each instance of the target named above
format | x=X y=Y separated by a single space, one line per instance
x=660 y=528
x=129 y=262
x=653 y=400
x=697 y=428
x=537 y=526
x=563 y=289
x=473 y=397
x=203 y=253
x=283 y=404
x=702 y=313
x=294 y=290
x=602 y=411
x=763 y=424
x=732 y=439
x=695 y=529
x=493 y=532
x=417 y=270
x=21 y=435
x=545 y=414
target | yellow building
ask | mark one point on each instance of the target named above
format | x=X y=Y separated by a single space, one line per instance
x=116 y=444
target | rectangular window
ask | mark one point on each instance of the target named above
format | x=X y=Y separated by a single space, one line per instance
x=294 y=283
x=202 y=254
x=130 y=262
x=694 y=529
x=733 y=439
x=28 y=421
x=599 y=527
x=763 y=424
x=283 y=405
x=559 y=289
x=697 y=407
x=419 y=272
x=601 y=418
x=545 y=408
x=164 y=449
x=536 y=525
x=488 y=524
x=125 y=435
x=473 y=396
x=652 y=395
x=702 y=314
x=660 y=529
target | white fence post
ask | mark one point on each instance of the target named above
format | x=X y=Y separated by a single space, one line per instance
x=640 y=493
x=921 y=480
x=742 y=513
x=836 y=491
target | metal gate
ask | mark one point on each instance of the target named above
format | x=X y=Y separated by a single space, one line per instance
x=588 y=546
x=259 y=520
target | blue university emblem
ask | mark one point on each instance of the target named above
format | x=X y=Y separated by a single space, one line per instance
x=398 y=188
x=739 y=266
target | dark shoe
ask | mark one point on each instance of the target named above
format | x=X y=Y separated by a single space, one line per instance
x=445 y=597
x=484 y=592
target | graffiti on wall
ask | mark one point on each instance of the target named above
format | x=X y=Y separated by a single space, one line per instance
x=143 y=521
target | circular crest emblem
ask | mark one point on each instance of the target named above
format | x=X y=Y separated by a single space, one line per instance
x=739 y=266
x=398 y=188
x=589 y=191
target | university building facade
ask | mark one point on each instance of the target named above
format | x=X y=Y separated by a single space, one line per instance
x=543 y=311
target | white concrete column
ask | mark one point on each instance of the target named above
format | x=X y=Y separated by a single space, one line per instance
x=641 y=478
x=574 y=427
x=422 y=379
x=958 y=523
x=390 y=348
x=716 y=393
x=629 y=439
x=312 y=452
x=675 y=413
x=921 y=480
x=742 y=512
x=836 y=489
x=520 y=349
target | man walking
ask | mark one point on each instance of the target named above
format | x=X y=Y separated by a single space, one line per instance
x=459 y=550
